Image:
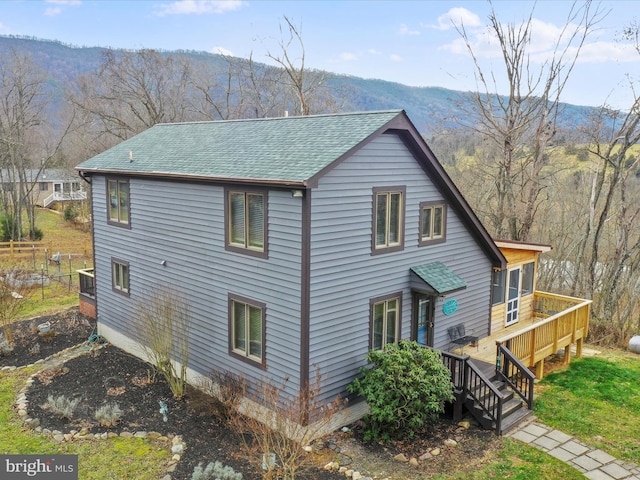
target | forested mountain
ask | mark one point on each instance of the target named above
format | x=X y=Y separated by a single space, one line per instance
x=430 y=108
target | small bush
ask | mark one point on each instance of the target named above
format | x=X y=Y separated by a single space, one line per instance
x=406 y=388
x=36 y=234
x=215 y=471
x=108 y=415
x=62 y=406
x=5 y=347
x=70 y=214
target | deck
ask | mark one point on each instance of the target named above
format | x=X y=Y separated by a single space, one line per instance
x=558 y=323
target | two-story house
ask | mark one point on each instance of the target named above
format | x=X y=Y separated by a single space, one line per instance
x=297 y=242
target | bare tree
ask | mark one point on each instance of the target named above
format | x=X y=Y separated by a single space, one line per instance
x=522 y=124
x=305 y=86
x=27 y=139
x=132 y=91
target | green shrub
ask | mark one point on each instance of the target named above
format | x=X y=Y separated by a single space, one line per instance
x=8 y=227
x=36 y=234
x=215 y=471
x=70 y=214
x=406 y=387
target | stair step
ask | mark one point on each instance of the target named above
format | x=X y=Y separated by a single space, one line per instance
x=514 y=419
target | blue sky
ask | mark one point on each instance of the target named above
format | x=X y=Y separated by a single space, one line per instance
x=410 y=42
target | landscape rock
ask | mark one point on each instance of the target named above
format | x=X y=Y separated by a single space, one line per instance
x=425 y=456
x=435 y=452
x=401 y=457
x=413 y=462
x=449 y=442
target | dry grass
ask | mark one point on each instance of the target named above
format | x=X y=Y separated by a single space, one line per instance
x=75 y=246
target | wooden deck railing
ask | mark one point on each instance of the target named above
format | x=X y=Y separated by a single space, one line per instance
x=87 y=282
x=565 y=322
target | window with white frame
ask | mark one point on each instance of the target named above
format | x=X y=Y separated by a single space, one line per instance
x=120 y=276
x=527 y=278
x=246 y=225
x=388 y=219
x=432 y=223
x=385 y=321
x=247 y=319
x=498 y=281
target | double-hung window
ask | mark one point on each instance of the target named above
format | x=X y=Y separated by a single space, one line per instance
x=246 y=225
x=388 y=219
x=120 y=276
x=247 y=322
x=432 y=223
x=385 y=321
x=118 y=202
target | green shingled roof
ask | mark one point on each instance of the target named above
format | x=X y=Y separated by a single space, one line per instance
x=438 y=276
x=288 y=149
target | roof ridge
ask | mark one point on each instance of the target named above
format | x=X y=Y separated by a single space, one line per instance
x=291 y=117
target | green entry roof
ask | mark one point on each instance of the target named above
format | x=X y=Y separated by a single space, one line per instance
x=273 y=150
x=439 y=277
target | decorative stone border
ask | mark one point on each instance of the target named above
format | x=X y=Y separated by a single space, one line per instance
x=21 y=404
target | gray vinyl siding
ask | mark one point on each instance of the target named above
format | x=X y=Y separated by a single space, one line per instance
x=345 y=276
x=183 y=224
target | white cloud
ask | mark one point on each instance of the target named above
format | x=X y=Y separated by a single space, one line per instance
x=52 y=12
x=188 y=7
x=405 y=30
x=373 y=51
x=395 y=58
x=222 y=51
x=68 y=3
x=348 y=56
x=57 y=10
x=457 y=17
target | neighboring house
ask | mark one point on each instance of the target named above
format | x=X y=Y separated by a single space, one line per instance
x=298 y=242
x=47 y=186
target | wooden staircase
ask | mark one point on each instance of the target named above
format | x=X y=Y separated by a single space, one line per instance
x=514 y=408
x=497 y=396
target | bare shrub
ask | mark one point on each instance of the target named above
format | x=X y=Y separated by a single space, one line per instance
x=164 y=318
x=12 y=301
x=275 y=428
x=227 y=389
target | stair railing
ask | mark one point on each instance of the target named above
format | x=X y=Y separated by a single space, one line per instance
x=515 y=374
x=470 y=382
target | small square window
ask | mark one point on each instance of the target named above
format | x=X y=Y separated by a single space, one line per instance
x=246 y=222
x=432 y=223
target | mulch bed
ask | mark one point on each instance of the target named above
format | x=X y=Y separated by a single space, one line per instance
x=68 y=328
x=110 y=375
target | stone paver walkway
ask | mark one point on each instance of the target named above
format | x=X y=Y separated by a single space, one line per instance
x=593 y=463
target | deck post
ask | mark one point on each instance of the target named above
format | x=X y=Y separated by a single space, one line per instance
x=540 y=369
x=579 y=348
x=567 y=355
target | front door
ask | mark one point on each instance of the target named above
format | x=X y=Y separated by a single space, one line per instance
x=513 y=296
x=423 y=319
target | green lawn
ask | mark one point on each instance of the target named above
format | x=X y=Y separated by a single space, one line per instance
x=598 y=400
